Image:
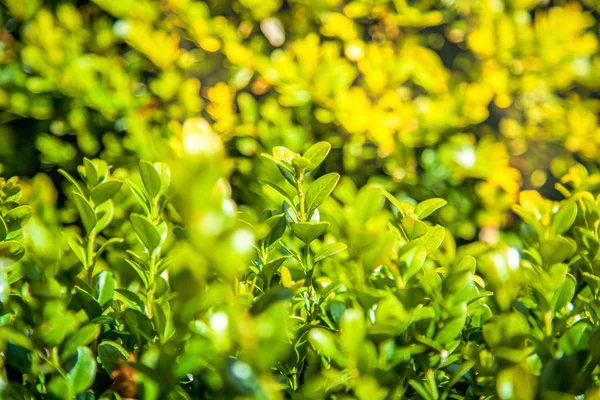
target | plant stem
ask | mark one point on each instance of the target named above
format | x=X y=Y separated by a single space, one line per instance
x=151 y=284
x=90 y=263
x=301 y=197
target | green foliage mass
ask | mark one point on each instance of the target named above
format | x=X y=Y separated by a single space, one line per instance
x=309 y=199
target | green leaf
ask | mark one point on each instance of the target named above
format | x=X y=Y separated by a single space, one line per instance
x=414 y=260
x=413 y=228
x=8 y=335
x=309 y=231
x=139 y=326
x=88 y=303
x=140 y=271
x=402 y=206
x=11 y=250
x=105 y=191
x=451 y=330
x=160 y=320
x=427 y=207
x=132 y=299
x=146 y=232
x=300 y=163
x=3 y=229
x=281 y=153
x=82 y=375
x=434 y=238
x=277 y=224
x=329 y=250
x=320 y=190
x=71 y=180
x=271 y=267
x=420 y=389
x=516 y=384
x=563 y=219
x=140 y=196
x=324 y=343
x=557 y=249
x=16 y=218
x=151 y=178
x=4 y=286
x=111 y=355
x=78 y=250
x=86 y=212
x=457 y=375
x=576 y=338
x=165 y=176
x=316 y=154
x=564 y=294
x=59 y=388
x=83 y=337
x=104 y=216
x=91 y=175
x=106 y=245
x=106 y=287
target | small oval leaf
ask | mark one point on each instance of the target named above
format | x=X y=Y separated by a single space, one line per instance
x=151 y=178
x=320 y=190
x=329 y=250
x=427 y=207
x=309 y=231
x=105 y=191
x=146 y=232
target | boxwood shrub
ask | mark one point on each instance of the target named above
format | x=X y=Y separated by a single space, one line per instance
x=300 y=199
x=150 y=282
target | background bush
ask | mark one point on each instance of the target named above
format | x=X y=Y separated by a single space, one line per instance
x=209 y=271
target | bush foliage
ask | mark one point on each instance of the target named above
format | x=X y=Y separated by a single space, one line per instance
x=328 y=199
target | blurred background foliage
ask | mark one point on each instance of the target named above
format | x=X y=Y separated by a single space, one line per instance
x=429 y=98
x=180 y=279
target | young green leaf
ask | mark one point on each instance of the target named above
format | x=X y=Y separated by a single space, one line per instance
x=427 y=207
x=316 y=154
x=11 y=250
x=105 y=213
x=403 y=207
x=82 y=375
x=281 y=153
x=111 y=355
x=140 y=196
x=139 y=325
x=165 y=176
x=146 y=232
x=90 y=175
x=17 y=217
x=563 y=219
x=557 y=249
x=309 y=231
x=151 y=178
x=105 y=191
x=106 y=286
x=71 y=180
x=140 y=271
x=82 y=337
x=329 y=250
x=320 y=190
x=3 y=229
x=413 y=227
x=271 y=267
x=4 y=286
x=86 y=212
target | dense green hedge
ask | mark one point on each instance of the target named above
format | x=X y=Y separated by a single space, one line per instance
x=309 y=199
